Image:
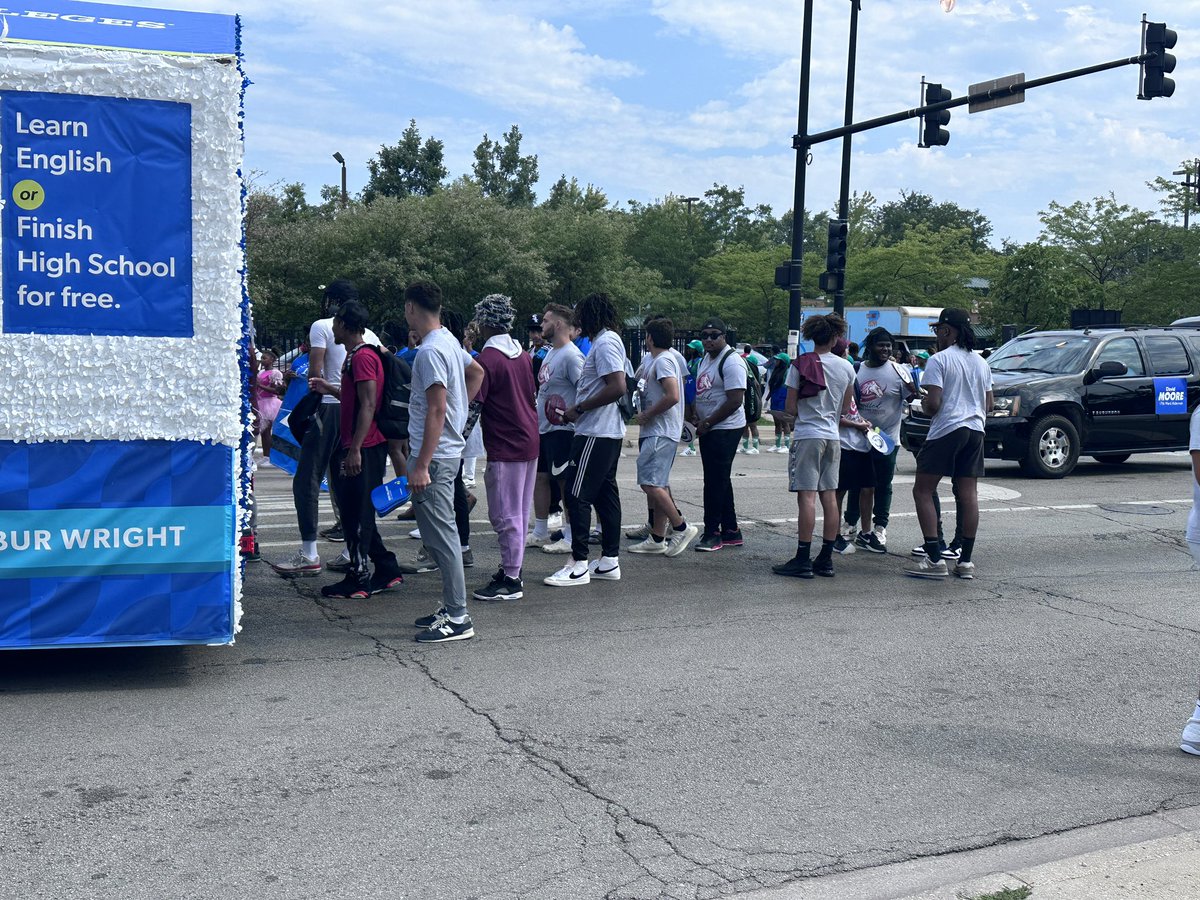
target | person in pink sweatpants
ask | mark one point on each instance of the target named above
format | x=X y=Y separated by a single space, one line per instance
x=510 y=440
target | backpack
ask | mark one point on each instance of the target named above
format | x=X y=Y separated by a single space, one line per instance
x=391 y=418
x=752 y=399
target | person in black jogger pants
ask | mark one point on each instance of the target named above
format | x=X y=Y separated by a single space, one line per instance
x=717 y=451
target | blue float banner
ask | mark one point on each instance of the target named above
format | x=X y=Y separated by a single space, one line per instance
x=97 y=217
x=1170 y=396
x=109 y=542
x=115 y=27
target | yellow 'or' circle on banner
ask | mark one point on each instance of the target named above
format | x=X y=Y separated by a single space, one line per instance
x=28 y=194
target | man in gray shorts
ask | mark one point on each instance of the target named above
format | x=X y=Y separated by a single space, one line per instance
x=661 y=421
x=816 y=448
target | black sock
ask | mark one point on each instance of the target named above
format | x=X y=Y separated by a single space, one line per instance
x=968 y=546
x=933 y=548
x=658 y=539
x=682 y=526
x=803 y=549
x=826 y=549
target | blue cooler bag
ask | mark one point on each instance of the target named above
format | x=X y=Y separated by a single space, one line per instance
x=390 y=496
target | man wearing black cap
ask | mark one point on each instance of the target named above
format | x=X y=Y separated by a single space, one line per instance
x=958 y=385
x=719 y=418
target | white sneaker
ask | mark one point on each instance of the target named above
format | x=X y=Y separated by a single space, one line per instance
x=555 y=522
x=649 y=545
x=965 y=570
x=753 y=451
x=562 y=545
x=415 y=534
x=881 y=533
x=533 y=540
x=678 y=541
x=566 y=577
x=638 y=531
x=1190 y=741
x=926 y=569
x=687 y=451
x=610 y=572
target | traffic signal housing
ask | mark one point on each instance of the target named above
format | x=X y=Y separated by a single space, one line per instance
x=932 y=132
x=834 y=277
x=1155 y=83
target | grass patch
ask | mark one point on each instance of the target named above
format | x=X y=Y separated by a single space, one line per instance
x=1007 y=894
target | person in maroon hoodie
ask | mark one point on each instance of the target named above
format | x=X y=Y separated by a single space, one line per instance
x=510 y=439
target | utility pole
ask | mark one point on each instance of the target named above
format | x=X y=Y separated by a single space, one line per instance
x=345 y=196
x=795 y=266
x=1191 y=182
x=839 y=296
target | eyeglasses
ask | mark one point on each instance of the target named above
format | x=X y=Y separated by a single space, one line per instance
x=710 y=335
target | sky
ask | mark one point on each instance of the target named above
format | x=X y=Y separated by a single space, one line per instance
x=669 y=97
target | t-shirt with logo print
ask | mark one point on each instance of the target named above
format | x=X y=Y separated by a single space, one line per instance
x=558 y=374
x=881 y=394
x=714 y=379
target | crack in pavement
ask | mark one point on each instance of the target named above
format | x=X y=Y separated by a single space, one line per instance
x=1161 y=627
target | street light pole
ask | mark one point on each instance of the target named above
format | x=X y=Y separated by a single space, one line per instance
x=839 y=296
x=345 y=197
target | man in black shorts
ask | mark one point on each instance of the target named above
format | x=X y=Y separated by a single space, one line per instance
x=959 y=396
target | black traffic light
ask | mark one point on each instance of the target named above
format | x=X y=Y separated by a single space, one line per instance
x=783 y=275
x=1155 y=83
x=834 y=277
x=932 y=132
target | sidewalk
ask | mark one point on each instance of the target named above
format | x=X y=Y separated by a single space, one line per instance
x=1146 y=858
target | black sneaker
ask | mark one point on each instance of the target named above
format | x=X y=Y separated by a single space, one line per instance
x=385 y=581
x=795 y=568
x=442 y=630
x=334 y=534
x=870 y=541
x=501 y=587
x=349 y=588
x=427 y=621
x=709 y=543
x=823 y=566
x=843 y=546
x=731 y=538
x=951 y=552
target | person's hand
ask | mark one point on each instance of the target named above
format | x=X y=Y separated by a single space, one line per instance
x=863 y=426
x=643 y=418
x=320 y=385
x=703 y=426
x=288 y=376
x=418 y=477
x=571 y=415
x=352 y=464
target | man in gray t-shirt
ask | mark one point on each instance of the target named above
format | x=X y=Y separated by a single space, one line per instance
x=445 y=379
x=958 y=396
x=719 y=416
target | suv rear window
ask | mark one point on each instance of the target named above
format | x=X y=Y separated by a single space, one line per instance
x=1167 y=356
x=1054 y=354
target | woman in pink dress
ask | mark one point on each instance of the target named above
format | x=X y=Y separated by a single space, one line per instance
x=268 y=396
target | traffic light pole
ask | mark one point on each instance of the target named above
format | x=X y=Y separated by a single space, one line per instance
x=796 y=263
x=808 y=140
x=839 y=296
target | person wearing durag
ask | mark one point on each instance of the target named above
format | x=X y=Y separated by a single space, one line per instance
x=510 y=439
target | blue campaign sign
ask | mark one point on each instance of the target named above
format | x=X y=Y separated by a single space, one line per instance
x=116 y=542
x=97 y=218
x=1170 y=396
x=121 y=28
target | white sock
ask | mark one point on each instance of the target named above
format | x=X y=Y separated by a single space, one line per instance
x=1196 y=711
x=540 y=528
x=607 y=562
x=458 y=620
x=465 y=547
x=566 y=530
x=309 y=549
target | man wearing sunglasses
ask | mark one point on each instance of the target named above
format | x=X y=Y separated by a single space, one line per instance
x=719 y=418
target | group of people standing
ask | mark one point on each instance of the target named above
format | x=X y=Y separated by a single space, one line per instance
x=553 y=428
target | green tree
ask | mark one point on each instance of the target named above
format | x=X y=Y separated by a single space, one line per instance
x=568 y=194
x=1178 y=202
x=1037 y=287
x=924 y=268
x=502 y=172
x=1103 y=240
x=739 y=285
x=406 y=168
x=667 y=237
x=730 y=221
x=914 y=209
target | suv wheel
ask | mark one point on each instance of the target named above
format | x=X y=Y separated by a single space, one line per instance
x=1111 y=459
x=1053 y=448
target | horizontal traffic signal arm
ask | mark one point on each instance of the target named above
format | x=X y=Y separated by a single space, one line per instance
x=802 y=141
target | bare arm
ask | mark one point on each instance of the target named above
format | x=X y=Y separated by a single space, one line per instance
x=435 y=424
x=474 y=377
x=614 y=387
x=670 y=397
x=988 y=402
x=932 y=401
x=1196 y=465
x=793 y=400
x=366 y=392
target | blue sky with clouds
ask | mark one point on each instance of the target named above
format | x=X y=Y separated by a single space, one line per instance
x=645 y=99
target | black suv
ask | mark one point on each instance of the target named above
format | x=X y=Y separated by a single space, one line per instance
x=1091 y=391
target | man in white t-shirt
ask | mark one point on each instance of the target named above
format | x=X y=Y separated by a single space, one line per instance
x=325 y=359
x=814 y=461
x=958 y=385
x=1190 y=742
x=596 y=447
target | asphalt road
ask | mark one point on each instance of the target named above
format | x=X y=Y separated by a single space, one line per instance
x=702 y=728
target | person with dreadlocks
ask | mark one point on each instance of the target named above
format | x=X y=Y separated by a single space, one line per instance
x=596 y=448
x=510 y=439
x=958 y=386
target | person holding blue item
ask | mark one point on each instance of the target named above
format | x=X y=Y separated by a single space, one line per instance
x=691 y=354
x=777 y=403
